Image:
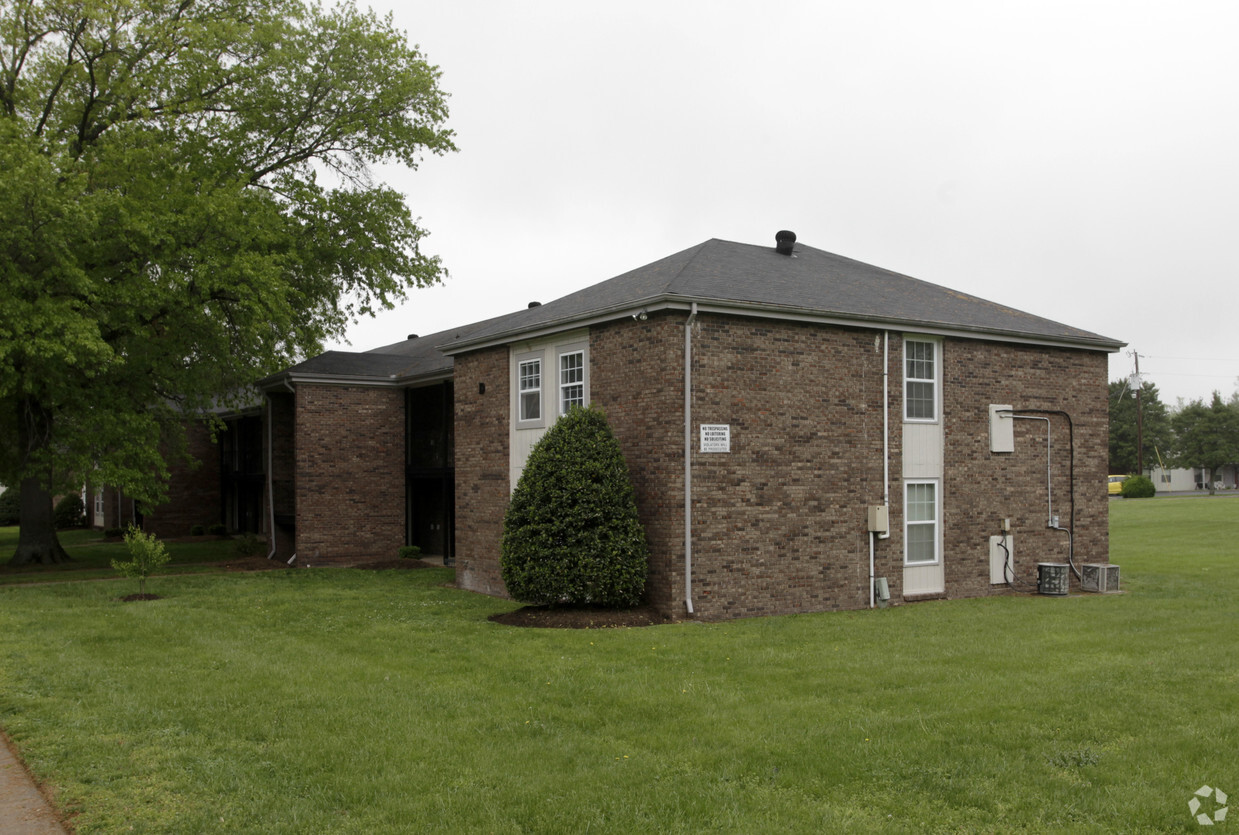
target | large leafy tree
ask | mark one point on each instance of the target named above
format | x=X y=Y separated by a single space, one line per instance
x=185 y=206
x=1155 y=425
x=1207 y=436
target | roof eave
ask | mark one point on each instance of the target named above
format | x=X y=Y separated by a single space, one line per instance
x=285 y=379
x=676 y=302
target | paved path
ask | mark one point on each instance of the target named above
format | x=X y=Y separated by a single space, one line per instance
x=23 y=808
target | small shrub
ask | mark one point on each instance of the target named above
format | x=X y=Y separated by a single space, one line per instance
x=410 y=552
x=10 y=507
x=146 y=555
x=1139 y=487
x=571 y=534
x=217 y=530
x=197 y=530
x=249 y=545
x=113 y=533
x=70 y=512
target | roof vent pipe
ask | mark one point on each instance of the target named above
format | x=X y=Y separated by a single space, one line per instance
x=783 y=241
x=532 y=305
x=411 y=336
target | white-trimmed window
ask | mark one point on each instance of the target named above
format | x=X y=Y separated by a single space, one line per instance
x=571 y=380
x=920 y=527
x=920 y=380
x=529 y=389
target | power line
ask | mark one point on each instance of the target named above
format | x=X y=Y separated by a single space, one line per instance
x=1190 y=359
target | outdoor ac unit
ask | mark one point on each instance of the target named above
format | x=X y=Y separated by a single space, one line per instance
x=1102 y=578
x=1052 y=578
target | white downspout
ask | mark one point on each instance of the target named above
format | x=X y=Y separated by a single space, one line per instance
x=886 y=457
x=688 y=459
x=886 y=426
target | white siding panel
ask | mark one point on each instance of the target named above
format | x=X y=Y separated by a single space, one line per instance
x=922 y=450
x=522 y=439
x=923 y=579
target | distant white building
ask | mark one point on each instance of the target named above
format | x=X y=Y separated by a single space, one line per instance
x=1183 y=479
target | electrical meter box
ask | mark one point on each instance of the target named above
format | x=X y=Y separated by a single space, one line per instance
x=1001 y=428
x=879 y=519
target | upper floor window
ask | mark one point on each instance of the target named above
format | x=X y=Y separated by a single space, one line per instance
x=920 y=380
x=571 y=380
x=529 y=382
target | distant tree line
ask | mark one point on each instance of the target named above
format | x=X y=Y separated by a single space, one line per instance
x=1195 y=435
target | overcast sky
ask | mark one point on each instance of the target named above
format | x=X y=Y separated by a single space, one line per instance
x=1077 y=160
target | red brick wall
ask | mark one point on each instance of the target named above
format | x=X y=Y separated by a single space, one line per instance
x=193 y=488
x=481 y=467
x=981 y=487
x=779 y=523
x=636 y=376
x=350 y=481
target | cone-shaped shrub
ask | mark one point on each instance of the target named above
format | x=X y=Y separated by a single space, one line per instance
x=571 y=535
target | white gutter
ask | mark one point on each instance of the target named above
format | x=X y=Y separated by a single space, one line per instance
x=651 y=304
x=688 y=459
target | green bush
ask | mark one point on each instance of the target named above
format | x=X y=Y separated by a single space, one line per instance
x=410 y=552
x=249 y=545
x=197 y=530
x=571 y=535
x=70 y=512
x=10 y=507
x=217 y=530
x=146 y=554
x=113 y=533
x=1139 y=487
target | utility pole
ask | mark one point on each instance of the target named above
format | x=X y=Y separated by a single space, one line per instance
x=1139 y=385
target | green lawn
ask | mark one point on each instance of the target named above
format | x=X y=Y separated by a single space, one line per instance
x=92 y=557
x=338 y=700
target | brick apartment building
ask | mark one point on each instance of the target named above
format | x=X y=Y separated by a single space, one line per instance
x=795 y=423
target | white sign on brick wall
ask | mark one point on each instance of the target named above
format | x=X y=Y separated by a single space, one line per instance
x=715 y=437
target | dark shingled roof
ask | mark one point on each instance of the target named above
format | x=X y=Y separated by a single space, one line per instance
x=747 y=279
x=810 y=283
x=404 y=361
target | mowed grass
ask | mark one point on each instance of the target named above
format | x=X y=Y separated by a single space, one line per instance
x=339 y=700
x=92 y=556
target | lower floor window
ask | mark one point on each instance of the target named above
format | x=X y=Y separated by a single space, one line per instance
x=921 y=522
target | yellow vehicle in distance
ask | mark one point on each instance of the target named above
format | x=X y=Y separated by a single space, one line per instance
x=1116 y=484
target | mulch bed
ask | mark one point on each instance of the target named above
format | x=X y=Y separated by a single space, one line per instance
x=567 y=617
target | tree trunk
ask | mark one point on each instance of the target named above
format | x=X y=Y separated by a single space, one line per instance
x=37 y=542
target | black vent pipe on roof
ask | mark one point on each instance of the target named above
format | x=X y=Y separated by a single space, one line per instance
x=532 y=305
x=412 y=336
x=783 y=241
